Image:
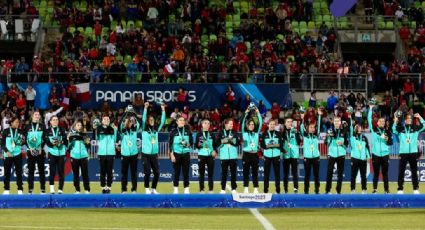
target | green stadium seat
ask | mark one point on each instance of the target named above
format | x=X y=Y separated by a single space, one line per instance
x=294 y=24
x=381 y=25
x=318 y=18
x=89 y=31
x=260 y=11
x=128 y=59
x=311 y=25
x=43 y=4
x=139 y=24
x=303 y=31
x=71 y=29
x=327 y=18
x=229 y=36
x=213 y=37
x=329 y=24
x=244 y=4
x=229 y=25
x=303 y=24
x=81 y=29
x=229 y=18
x=389 y=25
x=280 y=37
x=114 y=24
x=248 y=46
x=413 y=25
x=124 y=23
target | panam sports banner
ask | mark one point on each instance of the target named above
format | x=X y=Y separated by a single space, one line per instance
x=202 y=96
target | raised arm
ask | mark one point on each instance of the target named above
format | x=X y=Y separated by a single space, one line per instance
x=302 y=126
x=422 y=125
x=394 y=127
x=369 y=118
x=145 y=115
x=243 y=121
x=319 y=121
x=162 y=123
x=260 y=121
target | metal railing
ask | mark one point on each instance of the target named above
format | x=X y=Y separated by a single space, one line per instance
x=30 y=30
x=327 y=82
x=299 y=82
x=372 y=22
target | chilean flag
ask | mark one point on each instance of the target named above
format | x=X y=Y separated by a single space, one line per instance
x=168 y=69
x=83 y=92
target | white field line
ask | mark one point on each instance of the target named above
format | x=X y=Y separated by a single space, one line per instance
x=266 y=224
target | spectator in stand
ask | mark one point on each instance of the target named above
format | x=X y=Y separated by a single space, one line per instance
x=118 y=71
x=230 y=96
x=409 y=91
x=332 y=101
x=30 y=95
x=132 y=71
x=313 y=99
x=21 y=103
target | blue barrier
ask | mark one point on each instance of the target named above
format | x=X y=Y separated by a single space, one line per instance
x=211 y=201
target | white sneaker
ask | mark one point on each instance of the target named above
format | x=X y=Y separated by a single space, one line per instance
x=202 y=192
x=154 y=191
x=6 y=192
x=245 y=190
x=211 y=192
x=416 y=192
x=20 y=192
x=123 y=192
x=186 y=190
x=234 y=191
x=329 y=193
x=133 y=192
x=353 y=191
x=364 y=192
x=399 y=192
x=52 y=189
x=148 y=191
x=256 y=190
x=176 y=190
x=60 y=192
x=222 y=192
x=87 y=192
x=77 y=192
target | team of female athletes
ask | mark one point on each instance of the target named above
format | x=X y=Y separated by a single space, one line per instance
x=276 y=147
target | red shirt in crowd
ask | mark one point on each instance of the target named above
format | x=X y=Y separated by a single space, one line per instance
x=404 y=33
x=275 y=110
x=408 y=87
x=21 y=103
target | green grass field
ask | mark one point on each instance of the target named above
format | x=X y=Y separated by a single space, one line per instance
x=124 y=219
x=211 y=218
x=167 y=187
